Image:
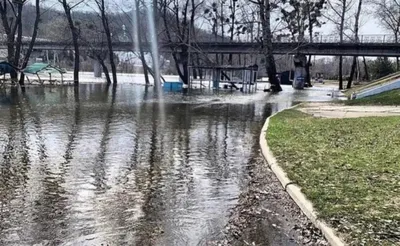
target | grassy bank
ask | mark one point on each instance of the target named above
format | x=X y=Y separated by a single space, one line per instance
x=385 y=98
x=348 y=168
x=388 y=78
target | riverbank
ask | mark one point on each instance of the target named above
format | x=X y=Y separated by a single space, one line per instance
x=348 y=167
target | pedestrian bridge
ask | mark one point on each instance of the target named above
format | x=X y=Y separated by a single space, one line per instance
x=367 y=45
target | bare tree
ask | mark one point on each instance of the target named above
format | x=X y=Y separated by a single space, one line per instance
x=356 y=39
x=265 y=9
x=104 y=19
x=388 y=13
x=340 y=9
x=301 y=17
x=178 y=17
x=214 y=13
x=94 y=34
x=239 y=23
x=11 y=16
x=139 y=34
x=68 y=7
x=233 y=6
x=32 y=42
x=366 y=69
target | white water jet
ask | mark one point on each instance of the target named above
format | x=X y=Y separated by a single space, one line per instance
x=155 y=56
x=135 y=20
x=154 y=46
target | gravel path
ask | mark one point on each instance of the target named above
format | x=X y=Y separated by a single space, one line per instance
x=329 y=110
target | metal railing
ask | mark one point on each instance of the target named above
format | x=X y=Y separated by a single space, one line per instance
x=334 y=39
x=389 y=39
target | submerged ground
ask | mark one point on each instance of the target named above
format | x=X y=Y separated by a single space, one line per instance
x=101 y=166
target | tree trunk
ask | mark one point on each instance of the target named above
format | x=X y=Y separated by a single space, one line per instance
x=356 y=27
x=198 y=64
x=396 y=38
x=152 y=73
x=18 y=43
x=185 y=72
x=194 y=73
x=352 y=72
x=145 y=71
x=308 y=76
x=16 y=56
x=76 y=61
x=222 y=30
x=265 y=13
x=181 y=64
x=141 y=51
x=340 y=72
x=32 y=43
x=366 y=69
x=144 y=65
x=341 y=29
x=310 y=34
x=106 y=27
x=10 y=49
x=9 y=30
x=183 y=24
x=233 y=5
x=75 y=41
x=105 y=71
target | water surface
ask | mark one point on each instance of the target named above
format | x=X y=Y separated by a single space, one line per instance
x=100 y=165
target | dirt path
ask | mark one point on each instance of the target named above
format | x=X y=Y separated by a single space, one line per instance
x=266 y=215
x=330 y=110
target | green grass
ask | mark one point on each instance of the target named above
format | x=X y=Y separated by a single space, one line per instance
x=348 y=168
x=385 y=98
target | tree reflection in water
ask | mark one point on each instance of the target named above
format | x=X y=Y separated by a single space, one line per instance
x=112 y=165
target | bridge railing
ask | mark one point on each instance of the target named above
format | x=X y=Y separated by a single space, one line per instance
x=333 y=39
x=336 y=39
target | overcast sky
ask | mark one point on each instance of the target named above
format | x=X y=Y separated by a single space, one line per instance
x=369 y=24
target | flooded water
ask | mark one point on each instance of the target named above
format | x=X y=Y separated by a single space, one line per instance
x=115 y=166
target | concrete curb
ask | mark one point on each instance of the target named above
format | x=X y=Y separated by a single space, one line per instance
x=294 y=190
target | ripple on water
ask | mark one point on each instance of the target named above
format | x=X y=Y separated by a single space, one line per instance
x=115 y=167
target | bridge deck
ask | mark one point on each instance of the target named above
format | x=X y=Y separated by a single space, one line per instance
x=369 y=47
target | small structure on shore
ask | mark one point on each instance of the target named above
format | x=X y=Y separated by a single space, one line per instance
x=224 y=77
x=173 y=86
x=44 y=68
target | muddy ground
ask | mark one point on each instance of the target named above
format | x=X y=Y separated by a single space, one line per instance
x=266 y=215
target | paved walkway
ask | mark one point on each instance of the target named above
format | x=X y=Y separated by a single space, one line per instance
x=330 y=110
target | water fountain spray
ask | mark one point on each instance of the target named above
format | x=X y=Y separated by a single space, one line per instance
x=154 y=46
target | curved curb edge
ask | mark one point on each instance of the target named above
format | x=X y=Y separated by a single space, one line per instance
x=294 y=191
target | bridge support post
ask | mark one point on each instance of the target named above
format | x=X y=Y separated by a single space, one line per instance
x=216 y=78
x=299 y=71
x=97 y=68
